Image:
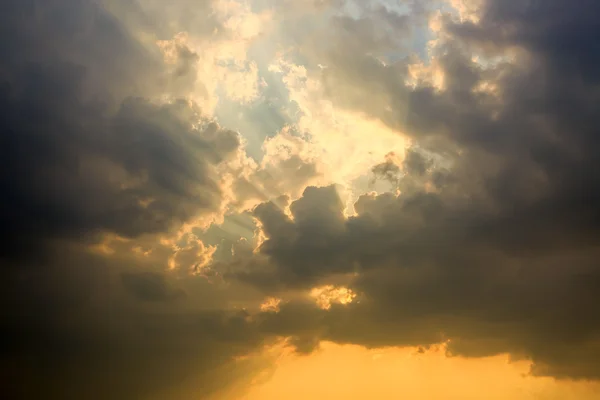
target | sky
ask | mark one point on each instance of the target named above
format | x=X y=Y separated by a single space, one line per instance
x=300 y=199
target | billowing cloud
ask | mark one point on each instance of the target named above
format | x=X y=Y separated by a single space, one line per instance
x=495 y=250
x=89 y=151
x=430 y=179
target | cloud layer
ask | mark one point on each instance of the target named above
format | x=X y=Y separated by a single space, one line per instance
x=142 y=238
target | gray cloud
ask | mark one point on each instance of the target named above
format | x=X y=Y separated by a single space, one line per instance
x=78 y=159
x=150 y=286
x=493 y=248
x=388 y=170
x=498 y=254
x=430 y=269
x=95 y=326
x=88 y=150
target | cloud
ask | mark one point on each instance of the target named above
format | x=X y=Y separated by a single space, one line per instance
x=77 y=160
x=388 y=170
x=427 y=273
x=494 y=251
x=150 y=287
x=112 y=168
x=288 y=165
x=96 y=326
x=97 y=167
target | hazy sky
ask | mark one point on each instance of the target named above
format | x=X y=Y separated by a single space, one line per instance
x=300 y=199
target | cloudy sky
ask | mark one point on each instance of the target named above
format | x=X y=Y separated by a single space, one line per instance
x=300 y=199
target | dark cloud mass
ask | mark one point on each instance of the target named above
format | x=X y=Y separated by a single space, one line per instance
x=492 y=244
x=78 y=157
x=88 y=149
x=149 y=286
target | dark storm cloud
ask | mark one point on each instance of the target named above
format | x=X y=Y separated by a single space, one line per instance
x=87 y=150
x=493 y=243
x=430 y=270
x=494 y=247
x=78 y=158
x=89 y=326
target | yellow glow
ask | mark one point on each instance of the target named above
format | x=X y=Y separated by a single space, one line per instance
x=108 y=244
x=352 y=372
x=468 y=10
x=347 y=143
x=433 y=75
x=271 y=304
x=221 y=61
x=327 y=295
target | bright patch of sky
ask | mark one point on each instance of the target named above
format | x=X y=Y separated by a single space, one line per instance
x=286 y=99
